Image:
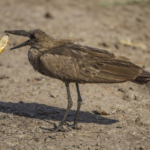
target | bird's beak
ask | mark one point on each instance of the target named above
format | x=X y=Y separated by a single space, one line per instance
x=21 y=33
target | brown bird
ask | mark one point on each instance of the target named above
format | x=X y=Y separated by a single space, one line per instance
x=69 y=62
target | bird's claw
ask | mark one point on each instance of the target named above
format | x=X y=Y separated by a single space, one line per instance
x=52 y=130
x=61 y=128
x=74 y=126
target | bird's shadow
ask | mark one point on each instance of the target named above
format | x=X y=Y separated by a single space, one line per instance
x=42 y=112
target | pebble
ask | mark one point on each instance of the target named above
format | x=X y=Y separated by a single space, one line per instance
x=48 y=15
x=102 y=112
x=122 y=90
x=119 y=126
x=21 y=136
x=98 y=144
x=134 y=133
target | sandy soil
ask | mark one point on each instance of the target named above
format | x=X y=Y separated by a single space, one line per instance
x=29 y=100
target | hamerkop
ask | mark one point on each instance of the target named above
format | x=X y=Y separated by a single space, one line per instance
x=69 y=62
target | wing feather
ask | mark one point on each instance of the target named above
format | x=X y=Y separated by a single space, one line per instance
x=82 y=64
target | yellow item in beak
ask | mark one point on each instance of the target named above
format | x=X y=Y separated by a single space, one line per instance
x=3 y=42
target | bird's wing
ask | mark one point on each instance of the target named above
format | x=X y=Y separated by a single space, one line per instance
x=75 y=63
x=107 y=67
x=61 y=62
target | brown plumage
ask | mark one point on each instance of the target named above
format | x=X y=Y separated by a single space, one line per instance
x=68 y=62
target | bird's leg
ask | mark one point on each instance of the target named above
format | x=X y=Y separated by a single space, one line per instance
x=70 y=103
x=78 y=107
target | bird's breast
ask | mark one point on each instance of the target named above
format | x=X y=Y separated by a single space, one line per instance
x=33 y=56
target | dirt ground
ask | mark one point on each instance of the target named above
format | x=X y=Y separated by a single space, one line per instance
x=29 y=100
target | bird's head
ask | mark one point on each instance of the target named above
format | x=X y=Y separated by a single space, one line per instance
x=38 y=39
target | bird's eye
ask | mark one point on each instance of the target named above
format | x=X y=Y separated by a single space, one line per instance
x=33 y=36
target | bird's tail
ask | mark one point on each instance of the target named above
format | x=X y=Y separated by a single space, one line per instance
x=143 y=78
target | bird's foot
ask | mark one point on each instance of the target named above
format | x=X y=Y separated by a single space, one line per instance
x=55 y=129
x=74 y=126
x=61 y=128
x=52 y=130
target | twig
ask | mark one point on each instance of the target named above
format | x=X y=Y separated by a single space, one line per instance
x=115 y=109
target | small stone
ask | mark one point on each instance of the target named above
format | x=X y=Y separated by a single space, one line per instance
x=137 y=120
x=148 y=104
x=122 y=90
x=66 y=136
x=70 y=134
x=130 y=88
x=116 y=45
x=48 y=15
x=100 y=111
x=98 y=144
x=36 y=139
x=21 y=136
x=100 y=129
x=141 y=148
x=127 y=97
x=119 y=126
x=104 y=44
x=134 y=133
